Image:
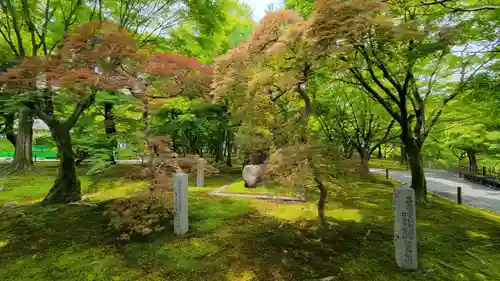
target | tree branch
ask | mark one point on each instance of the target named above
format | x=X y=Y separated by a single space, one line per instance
x=381 y=65
x=80 y=108
x=385 y=137
x=460 y=9
x=49 y=120
x=375 y=94
x=31 y=26
x=375 y=78
x=324 y=128
x=10 y=10
x=433 y=74
x=9 y=42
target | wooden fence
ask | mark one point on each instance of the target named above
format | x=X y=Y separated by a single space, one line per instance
x=481 y=176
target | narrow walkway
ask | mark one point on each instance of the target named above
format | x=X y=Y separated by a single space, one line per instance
x=219 y=192
x=444 y=183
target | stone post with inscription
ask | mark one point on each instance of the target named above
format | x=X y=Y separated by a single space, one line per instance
x=200 y=175
x=405 y=228
x=181 y=220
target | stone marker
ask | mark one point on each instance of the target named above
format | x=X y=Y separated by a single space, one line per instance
x=200 y=176
x=405 y=228
x=181 y=220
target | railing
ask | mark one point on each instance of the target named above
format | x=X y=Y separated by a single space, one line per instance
x=481 y=176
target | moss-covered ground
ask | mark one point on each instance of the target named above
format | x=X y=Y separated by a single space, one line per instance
x=238 y=239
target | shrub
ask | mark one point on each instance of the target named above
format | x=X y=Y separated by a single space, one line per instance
x=141 y=214
x=136 y=215
x=312 y=167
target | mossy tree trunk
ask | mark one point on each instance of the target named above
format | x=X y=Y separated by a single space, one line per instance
x=322 y=200
x=9 y=129
x=110 y=130
x=229 y=149
x=23 y=144
x=66 y=188
x=364 y=156
x=471 y=155
x=418 y=182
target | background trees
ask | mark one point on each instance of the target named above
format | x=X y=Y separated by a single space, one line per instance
x=468 y=130
x=354 y=76
x=38 y=28
x=89 y=61
x=401 y=65
x=98 y=56
x=348 y=118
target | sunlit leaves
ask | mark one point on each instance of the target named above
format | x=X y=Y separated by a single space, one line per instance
x=173 y=74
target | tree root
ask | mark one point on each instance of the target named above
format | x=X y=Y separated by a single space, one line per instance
x=16 y=168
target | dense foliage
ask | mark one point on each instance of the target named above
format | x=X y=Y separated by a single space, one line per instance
x=328 y=81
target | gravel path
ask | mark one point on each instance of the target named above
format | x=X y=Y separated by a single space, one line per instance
x=445 y=184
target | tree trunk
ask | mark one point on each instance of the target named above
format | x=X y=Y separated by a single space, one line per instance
x=229 y=154
x=380 y=155
x=9 y=129
x=364 y=156
x=322 y=201
x=471 y=154
x=223 y=145
x=110 y=129
x=364 y=165
x=393 y=151
x=404 y=155
x=66 y=188
x=147 y=134
x=81 y=156
x=23 y=153
x=418 y=182
x=219 y=156
x=247 y=159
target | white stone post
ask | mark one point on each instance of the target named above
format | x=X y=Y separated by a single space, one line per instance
x=405 y=228
x=200 y=176
x=181 y=220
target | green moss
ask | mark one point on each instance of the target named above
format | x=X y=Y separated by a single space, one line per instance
x=239 y=187
x=240 y=239
x=386 y=164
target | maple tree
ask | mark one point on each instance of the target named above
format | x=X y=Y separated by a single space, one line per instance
x=165 y=76
x=348 y=118
x=161 y=77
x=140 y=214
x=268 y=83
x=398 y=65
x=39 y=28
x=98 y=56
x=30 y=29
x=89 y=61
x=462 y=6
x=468 y=130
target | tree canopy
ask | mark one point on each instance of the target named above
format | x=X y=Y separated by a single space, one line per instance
x=350 y=79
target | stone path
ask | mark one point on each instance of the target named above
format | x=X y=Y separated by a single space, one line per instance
x=444 y=183
x=219 y=192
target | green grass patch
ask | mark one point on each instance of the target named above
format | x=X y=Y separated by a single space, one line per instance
x=268 y=189
x=239 y=239
x=387 y=164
